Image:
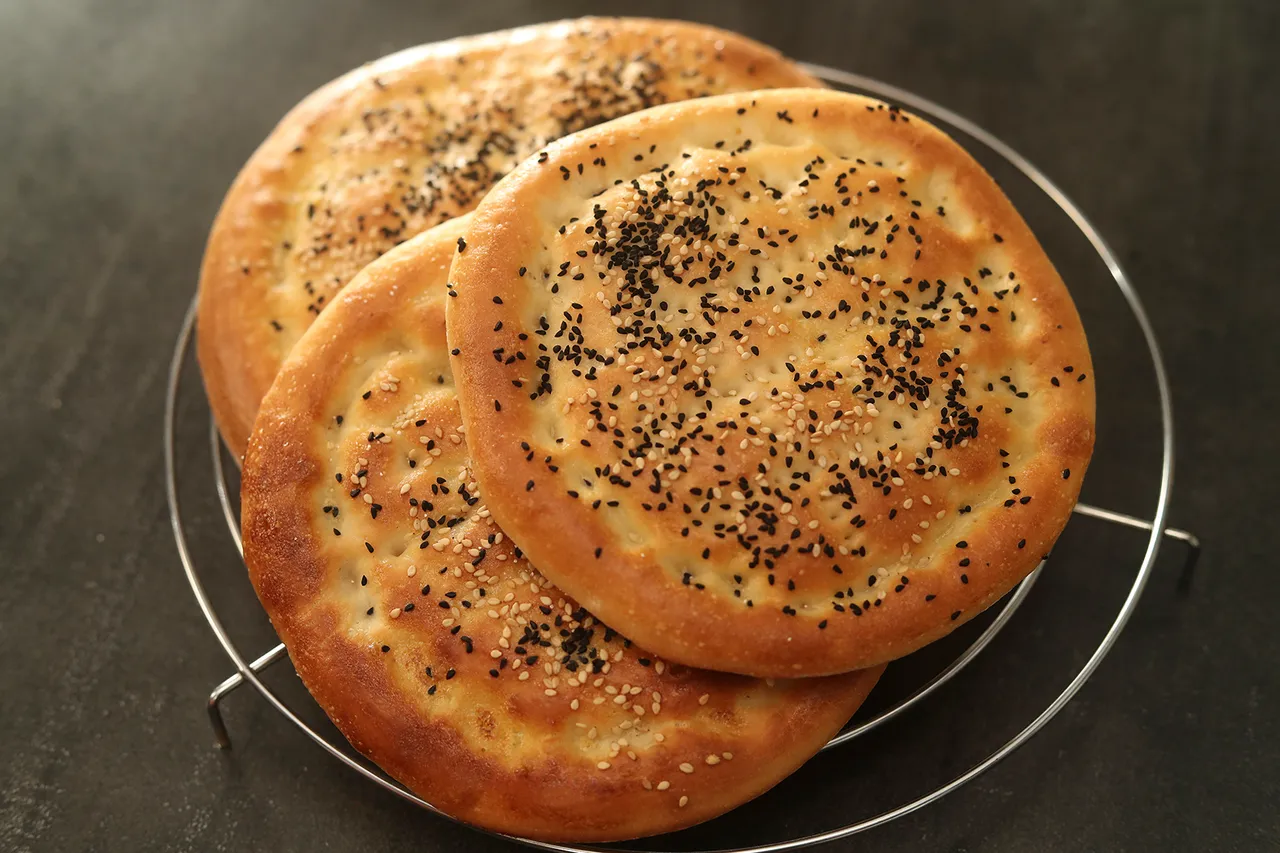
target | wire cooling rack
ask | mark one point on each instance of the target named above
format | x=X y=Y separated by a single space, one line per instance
x=247 y=671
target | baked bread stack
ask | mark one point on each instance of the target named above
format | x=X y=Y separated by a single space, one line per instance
x=596 y=512
x=410 y=141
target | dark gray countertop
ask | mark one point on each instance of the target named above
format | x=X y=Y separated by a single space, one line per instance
x=121 y=124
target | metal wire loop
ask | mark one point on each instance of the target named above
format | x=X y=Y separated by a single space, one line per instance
x=247 y=672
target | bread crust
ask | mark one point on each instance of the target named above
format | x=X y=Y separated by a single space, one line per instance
x=407 y=676
x=912 y=309
x=408 y=141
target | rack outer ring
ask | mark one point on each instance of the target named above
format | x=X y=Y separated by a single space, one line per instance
x=1145 y=569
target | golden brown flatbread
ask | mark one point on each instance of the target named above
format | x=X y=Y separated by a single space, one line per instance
x=776 y=383
x=429 y=639
x=409 y=141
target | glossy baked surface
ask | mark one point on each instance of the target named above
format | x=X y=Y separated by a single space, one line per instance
x=409 y=141
x=435 y=647
x=776 y=383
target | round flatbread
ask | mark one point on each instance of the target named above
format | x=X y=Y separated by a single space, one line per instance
x=409 y=141
x=435 y=647
x=775 y=383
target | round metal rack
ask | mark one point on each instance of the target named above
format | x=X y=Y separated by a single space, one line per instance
x=247 y=671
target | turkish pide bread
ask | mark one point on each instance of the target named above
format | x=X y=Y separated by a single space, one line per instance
x=776 y=383
x=429 y=639
x=409 y=141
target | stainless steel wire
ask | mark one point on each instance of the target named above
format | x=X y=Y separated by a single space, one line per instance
x=952 y=669
x=248 y=671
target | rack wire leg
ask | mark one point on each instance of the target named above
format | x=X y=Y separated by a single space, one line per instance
x=215 y=698
x=1185 y=536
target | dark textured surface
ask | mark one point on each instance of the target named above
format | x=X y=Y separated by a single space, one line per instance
x=121 y=124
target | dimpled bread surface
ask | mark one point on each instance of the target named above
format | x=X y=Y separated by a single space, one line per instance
x=429 y=639
x=776 y=383
x=410 y=141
